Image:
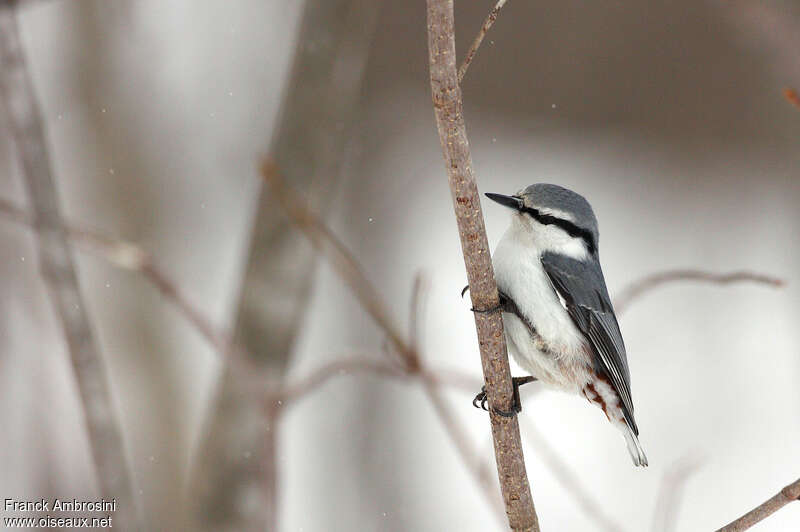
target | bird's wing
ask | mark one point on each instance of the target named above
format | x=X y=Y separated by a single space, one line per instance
x=581 y=286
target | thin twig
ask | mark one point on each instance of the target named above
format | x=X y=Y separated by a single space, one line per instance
x=462 y=70
x=785 y=496
x=637 y=289
x=129 y=256
x=415 y=312
x=670 y=493
x=58 y=273
x=468 y=454
x=350 y=271
x=448 y=109
x=291 y=393
x=344 y=263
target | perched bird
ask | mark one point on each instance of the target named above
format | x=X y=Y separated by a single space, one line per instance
x=559 y=321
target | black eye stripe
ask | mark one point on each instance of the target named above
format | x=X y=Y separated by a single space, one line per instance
x=570 y=228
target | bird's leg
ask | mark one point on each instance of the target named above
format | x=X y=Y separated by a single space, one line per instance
x=516 y=406
x=502 y=305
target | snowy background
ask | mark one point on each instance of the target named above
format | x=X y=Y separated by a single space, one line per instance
x=667 y=116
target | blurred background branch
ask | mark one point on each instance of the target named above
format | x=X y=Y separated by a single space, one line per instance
x=669 y=117
x=130 y=256
x=58 y=273
x=409 y=358
x=310 y=143
x=640 y=287
x=569 y=479
x=671 y=492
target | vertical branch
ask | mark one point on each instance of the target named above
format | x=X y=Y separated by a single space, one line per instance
x=58 y=272
x=483 y=290
x=310 y=143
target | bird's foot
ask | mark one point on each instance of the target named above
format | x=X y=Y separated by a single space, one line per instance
x=502 y=304
x=487 y=310
x=482 y=399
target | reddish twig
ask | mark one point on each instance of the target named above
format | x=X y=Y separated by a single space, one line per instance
x=462 y=70
x=756 y=515
x=637 y=289
x=448 y=109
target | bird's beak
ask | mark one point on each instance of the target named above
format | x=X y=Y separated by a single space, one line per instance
x=512 y=202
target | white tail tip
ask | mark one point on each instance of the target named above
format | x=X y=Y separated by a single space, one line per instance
x=634 y=447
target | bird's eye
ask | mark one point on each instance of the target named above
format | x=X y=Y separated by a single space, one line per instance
x=569 y=227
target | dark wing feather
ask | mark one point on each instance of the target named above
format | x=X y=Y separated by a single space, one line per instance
x=583 y=289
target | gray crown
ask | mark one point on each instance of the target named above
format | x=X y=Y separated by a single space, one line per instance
x=546 y=196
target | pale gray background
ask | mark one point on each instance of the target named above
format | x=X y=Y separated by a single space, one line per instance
x=667 y=116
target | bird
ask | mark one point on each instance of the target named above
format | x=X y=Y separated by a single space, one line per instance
x=559 y=322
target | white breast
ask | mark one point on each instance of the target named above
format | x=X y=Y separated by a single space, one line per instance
x=559 y=357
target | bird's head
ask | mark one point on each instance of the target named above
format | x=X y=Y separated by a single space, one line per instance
x=555 y=218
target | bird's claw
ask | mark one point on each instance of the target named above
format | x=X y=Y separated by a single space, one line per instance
x=481 y=398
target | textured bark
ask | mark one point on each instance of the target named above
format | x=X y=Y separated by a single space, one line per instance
x=310 y=146
x=483 y=290
x=788 y=494
x=58 y=273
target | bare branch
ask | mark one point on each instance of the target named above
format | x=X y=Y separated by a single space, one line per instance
x=415 y=312
x=341 y=259
x=58 y=273
x=637 y=289
x=349 y=270
x=462 y=70
x=785 y=496
x=129 y=256
x=312 y=382
x=312 y=141
x=448 y=109
x=468 y=455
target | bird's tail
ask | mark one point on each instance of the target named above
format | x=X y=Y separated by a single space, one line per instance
x=634 y=447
